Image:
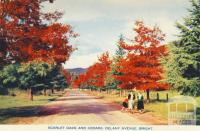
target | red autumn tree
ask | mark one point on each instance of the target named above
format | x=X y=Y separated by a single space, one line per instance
x=95 y=74
x=27 y=34
x=141 y=68
x=80 y=82
x=67 y=76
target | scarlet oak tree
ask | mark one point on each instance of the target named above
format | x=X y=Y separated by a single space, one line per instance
x=27 y=34
x=80 y=82
x=141 y=67
x=95 y=74
x=67 y=76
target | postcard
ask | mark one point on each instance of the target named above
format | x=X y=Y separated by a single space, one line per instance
x=100 y=65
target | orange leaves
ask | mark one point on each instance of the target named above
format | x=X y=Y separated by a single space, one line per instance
x=145 y=34
x=104 y=59
x=146 y=37
x=67 y=76
x=141 y=67
x=28 y=38
x=80 y=82
x=55 y=40
x=95 y=74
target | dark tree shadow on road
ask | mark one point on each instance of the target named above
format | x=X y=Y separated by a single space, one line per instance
x=77 y=98
x=18 y=112
x=39 y=111
x=77 y=109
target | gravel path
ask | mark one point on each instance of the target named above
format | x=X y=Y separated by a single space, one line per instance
x=82 y=109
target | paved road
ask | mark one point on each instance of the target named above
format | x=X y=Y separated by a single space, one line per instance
x=78 y=108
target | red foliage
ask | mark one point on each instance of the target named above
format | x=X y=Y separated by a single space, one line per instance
x=80 y=81
x=141 y=68
x=27 y=34
x=67 y=76
x=95 y=74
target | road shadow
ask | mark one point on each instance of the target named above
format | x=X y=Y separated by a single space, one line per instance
x=39 y=111
x=76 y=98
x=76 y=109
x=26 y=111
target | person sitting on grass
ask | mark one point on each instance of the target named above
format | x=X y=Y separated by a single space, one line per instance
x=124 y=105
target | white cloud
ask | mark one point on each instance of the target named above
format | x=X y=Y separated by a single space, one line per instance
x=100 y=22
x=75 y=10
x=81 y=61
x=91 y=10
x=142 y=2
x=162 y=20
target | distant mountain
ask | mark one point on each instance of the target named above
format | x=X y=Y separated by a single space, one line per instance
x=77 y=70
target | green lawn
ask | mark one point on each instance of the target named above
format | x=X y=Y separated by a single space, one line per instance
x=20 y=105
x=156 y=108
x=9 y=101
x=22 y=100
x=160 y=108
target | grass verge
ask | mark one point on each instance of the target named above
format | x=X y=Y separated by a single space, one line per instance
x=14 y=107
x=156 y=108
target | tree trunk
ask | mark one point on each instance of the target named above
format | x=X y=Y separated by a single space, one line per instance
x=31 y=94
x=120 y=93
x=167 y=97
x=52 y=91
x=148 y=95
x=158 y=98
x=45 y=92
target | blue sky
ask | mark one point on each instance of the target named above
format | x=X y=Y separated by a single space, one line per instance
x=100 y=23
